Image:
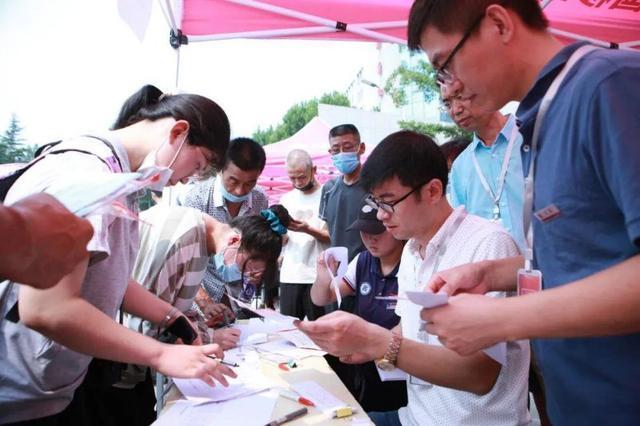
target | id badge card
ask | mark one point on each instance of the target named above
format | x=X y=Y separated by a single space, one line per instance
x=529 y=281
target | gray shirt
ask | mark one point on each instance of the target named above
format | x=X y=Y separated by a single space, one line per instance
x=339 y=207
x=39 y=376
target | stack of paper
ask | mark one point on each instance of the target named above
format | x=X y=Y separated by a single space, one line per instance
x=190 y=413
x=249 y=381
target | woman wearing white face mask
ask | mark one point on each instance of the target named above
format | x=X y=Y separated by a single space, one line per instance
x=61 y=328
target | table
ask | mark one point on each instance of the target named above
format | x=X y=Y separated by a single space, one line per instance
x=311 y=368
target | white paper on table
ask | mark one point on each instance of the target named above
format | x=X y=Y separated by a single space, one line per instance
x=299 y=339
x=324 y=400
x=276 y=317
x=191 y=413
x=252 y=332
x=288 y=350
x=497 y=352
x=341 y=256
x=394 y=375
x=249 y=381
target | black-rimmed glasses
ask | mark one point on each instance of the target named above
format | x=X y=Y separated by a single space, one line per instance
x=443 y=75
x=388 y=206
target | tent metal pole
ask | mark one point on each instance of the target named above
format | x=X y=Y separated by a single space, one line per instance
x=291 y=32
x=545 y=3
x=630 y=44
x=318 y=20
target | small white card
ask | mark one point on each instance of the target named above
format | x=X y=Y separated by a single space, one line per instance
x=337 y=260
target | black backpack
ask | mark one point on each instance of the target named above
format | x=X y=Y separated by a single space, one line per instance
x=7 y=182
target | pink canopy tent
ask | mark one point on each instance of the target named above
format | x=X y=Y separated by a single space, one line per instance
x=601 y=21
x=313 y=138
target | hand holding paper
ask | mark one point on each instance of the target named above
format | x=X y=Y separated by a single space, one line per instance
x=336 y=260
x=465 y=325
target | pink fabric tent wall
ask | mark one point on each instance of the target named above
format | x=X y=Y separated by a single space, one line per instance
x=313 y=138
x=601 y=21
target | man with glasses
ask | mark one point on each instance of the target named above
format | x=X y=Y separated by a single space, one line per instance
x=406 y=175
x=581 y=159
x=487 y=176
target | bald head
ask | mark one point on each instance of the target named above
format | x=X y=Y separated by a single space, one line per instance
x=301 y=170
x=299 y=158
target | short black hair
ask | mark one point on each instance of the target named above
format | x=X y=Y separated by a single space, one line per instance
x=344 y=129
x=457 y=16
x=246 y=154
x=454 y=147
x=413 y=157
x=261 y=242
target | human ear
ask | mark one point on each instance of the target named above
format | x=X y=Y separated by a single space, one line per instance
x=179 y=131
x=501 y=20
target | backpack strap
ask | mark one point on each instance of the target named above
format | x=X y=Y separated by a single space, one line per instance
x=7 y=182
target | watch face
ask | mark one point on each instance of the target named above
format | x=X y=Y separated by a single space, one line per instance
x=385 y=365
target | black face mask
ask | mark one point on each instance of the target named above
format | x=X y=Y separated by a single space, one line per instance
x=307 y=186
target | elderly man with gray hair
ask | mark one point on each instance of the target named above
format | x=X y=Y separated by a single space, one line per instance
x=298 y=269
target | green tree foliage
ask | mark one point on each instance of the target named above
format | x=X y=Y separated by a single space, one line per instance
x=12 y=150
x=433 y=129
x=410 y=78
x=297 y=117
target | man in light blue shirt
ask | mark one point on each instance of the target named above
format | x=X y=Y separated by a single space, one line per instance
x=487 y=176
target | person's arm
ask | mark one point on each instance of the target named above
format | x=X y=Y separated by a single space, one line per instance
x=320 y=234
x=322 y=293
x=355 y=340
x=479 y=277
x=61 y=314
x=42 y=241
x=603 y=304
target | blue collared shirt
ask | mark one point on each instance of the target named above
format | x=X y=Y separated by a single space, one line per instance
x=588 y=166
x=467 y=190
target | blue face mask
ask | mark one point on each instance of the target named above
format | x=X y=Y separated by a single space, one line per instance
x=229 y=273
x=233 y=198
x=345 y=162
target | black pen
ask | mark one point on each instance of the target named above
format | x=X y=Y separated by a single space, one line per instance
x=223 y=362
x=288 y=417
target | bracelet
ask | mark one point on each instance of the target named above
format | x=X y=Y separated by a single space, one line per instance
x=167 y=318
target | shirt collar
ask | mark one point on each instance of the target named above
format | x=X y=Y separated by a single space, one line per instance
x=438 y=238
x=503 y=135
x=376 y=268
x=529 y=105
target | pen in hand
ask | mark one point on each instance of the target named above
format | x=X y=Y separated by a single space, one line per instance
x=223 y=362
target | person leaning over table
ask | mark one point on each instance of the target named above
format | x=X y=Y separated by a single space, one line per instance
x=46 y=353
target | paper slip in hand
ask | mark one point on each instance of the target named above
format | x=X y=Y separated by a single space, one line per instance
x=299 y=339
x=428 y=300
x=337 y=260
x=394 y=375
x=497 y=352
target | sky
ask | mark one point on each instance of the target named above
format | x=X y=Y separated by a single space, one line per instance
x=68 y=65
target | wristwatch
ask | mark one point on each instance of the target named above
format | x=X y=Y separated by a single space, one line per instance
x=390 y=357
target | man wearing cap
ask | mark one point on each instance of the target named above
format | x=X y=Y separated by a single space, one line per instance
x=372 y=273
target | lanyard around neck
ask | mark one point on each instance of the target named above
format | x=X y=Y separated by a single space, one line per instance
x=529 y=179
x=495 y=196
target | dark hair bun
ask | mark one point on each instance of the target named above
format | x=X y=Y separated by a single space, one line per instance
x=282 y=213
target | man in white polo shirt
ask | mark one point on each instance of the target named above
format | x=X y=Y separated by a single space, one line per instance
x=406 y=175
